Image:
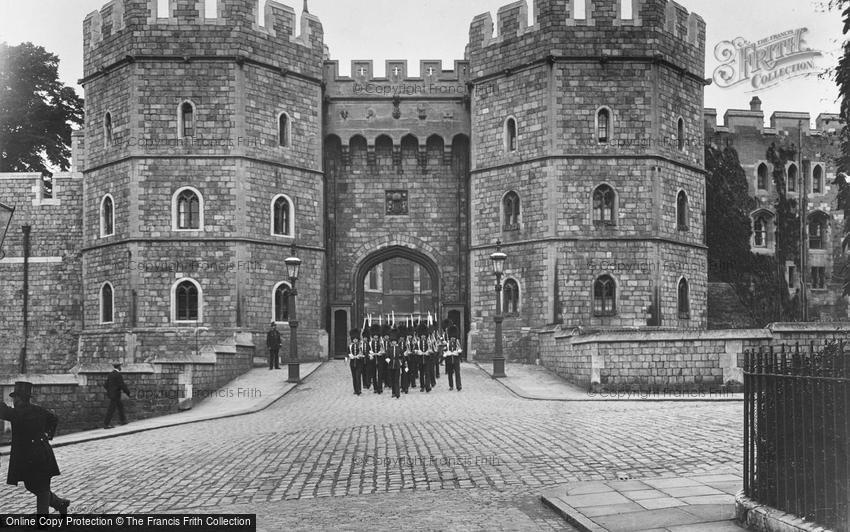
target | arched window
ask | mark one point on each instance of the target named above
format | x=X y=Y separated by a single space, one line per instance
x=760 y=225
x=107 y=128
x=186 y=301
x=186 y=120
x=682 y=211
x=817 y=231
x=107 y=216
x=187 y=210
x=680 y=132
x=604 y=296
x=283 y=129
x=510 y=134
x=684 y=300
x=280 y=309
x=106 y=303
x=604 y=206
x=817 y=180
x=792 y=178
x=510 y=297
x=510 y=211
x=283 y=214
x=603 y=125
x=761 y=177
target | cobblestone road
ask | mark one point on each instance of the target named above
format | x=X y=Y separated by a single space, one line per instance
x=322 y=457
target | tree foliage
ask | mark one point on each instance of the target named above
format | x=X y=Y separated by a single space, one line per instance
x=37 y=111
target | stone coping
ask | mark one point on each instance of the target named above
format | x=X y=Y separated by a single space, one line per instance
x=757 y=516
x=672 y=336
x=238 y=339
x=207 y=359
x=43 y=379
x=97 y=367
x=818 y=326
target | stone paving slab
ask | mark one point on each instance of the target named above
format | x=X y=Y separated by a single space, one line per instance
x=251 y=392
x=681 y=504
x=531 y=381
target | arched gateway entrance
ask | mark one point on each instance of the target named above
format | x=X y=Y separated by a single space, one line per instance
x=396 y=280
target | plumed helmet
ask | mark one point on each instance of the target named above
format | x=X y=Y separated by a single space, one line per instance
x=385 y=329
x=422 y=330
x=375 y=330
x=354 y=334
x=395 y=333
x=366 y=334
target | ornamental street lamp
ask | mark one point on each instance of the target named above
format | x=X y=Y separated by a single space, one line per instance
x=293 y=264
x=498 y=259
x=5 y=219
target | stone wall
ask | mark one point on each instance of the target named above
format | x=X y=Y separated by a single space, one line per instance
x=54 y=312
x=667 y=359
x=165 y=385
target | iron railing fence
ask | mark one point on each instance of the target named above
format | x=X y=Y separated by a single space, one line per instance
x=797 y=430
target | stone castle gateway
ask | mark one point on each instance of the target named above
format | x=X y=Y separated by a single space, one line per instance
x=219 y=138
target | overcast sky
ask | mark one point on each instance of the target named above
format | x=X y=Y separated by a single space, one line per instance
x=438 y=29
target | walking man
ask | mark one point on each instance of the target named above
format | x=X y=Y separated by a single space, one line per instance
x=114 y=386
x=273 y=344
x=32 y=460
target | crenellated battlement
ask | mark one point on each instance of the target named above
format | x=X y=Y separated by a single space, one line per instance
x=194 y=28
x=741 y=120
x=433 y=79
x=649 y=28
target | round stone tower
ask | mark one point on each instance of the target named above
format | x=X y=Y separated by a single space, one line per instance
x=203 y=169
x=587 y=164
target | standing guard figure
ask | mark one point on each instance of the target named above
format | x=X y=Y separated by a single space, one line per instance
x=407 y=367
x=453 y=352
x=355 y=360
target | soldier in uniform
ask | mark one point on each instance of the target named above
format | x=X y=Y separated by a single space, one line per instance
x=453 y=352
x=355 y=360
x=32 y=460
x=407 y=371
x=374 y=353
x=383 y=359
x=395 y=354
x=425 y=366
x=365 y=336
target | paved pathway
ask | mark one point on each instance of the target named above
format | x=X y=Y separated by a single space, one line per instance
x=322 y=457
x=700 y=503
x=536 y=382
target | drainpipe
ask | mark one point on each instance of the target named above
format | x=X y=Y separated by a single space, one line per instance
x=26 y=244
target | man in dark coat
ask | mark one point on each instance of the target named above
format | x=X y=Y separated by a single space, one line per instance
x=114 y=386
x=32 y=461
x=273 y=344
x=453 y=353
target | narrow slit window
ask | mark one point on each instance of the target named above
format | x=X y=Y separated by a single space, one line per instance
x=163 y=8
x=210 y=8
x=580 y=10
x=626 y=10
x=187 y=120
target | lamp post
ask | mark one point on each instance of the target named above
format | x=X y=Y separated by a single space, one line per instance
x=293 y=264
x=5 y=219
x=498 y=260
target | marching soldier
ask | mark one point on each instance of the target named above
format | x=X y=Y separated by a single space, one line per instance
x=375 y=353
x=453 y=352
x=395 y=354
x=355 y=360
x=383 y=361
x=364 y=348
x=426 y=368
x=32 y=460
